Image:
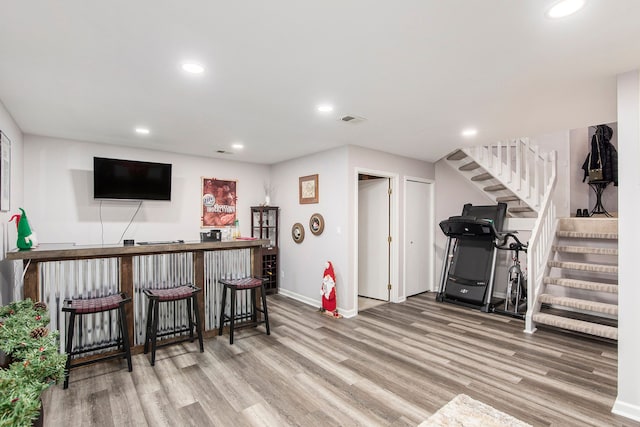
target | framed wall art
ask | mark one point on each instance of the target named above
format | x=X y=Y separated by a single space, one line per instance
x=308 y=189
x=316 y=224
x=5 y=172
x=297 y=232
x=219 y=199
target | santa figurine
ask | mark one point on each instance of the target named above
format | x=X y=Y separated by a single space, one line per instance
x=328 y=291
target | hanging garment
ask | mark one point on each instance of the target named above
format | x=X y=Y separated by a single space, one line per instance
x=603 y=156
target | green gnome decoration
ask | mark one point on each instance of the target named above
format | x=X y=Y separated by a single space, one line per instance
x=26 y=238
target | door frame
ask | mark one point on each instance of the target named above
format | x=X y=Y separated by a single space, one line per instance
x=394 y=179
x=430 y=227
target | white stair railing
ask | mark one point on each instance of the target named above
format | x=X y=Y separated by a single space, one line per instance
x=519 y=165
x=540 y=243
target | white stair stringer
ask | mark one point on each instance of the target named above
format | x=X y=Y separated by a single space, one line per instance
x=489 y=185
x=519 y=166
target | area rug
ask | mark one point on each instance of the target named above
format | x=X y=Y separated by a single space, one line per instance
x=463 y=411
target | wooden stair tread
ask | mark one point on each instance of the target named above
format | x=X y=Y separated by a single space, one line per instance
x=482 y=177
x=590 y=328
x=583 y=235
x=519 y=209
x=585 y=250
x=582 y=284
x=457 y=155
x=580 y=304
x=505 y=199
x=469 y=166
x=584 y=266
x=497 y=187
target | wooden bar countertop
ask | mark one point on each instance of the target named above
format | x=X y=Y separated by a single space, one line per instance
x=66 y=251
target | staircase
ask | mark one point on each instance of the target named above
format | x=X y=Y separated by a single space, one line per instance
x=572 y=263
x=512 y=172
x=579 y=291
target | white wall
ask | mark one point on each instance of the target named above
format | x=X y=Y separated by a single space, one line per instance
x=558 y=141
x=302 y=265
x=579 y=143
x=628 y=401
x=8 y=232
x=61 y=209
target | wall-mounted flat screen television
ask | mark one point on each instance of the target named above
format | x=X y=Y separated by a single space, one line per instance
x=131 y=180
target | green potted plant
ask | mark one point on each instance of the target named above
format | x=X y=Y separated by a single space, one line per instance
x=32 y=361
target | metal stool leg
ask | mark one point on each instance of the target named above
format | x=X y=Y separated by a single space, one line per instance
x=265 y=312
x=154 y=332
x=67 y=368
x=232 y=318
x=124 y=331
x=188 y=301
x=147 y=335
x=198 y=324
x=221 y=313
x=254 y=312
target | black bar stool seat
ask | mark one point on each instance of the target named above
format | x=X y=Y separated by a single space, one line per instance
x=156 y=296
x=79 y=307
x=235 y=285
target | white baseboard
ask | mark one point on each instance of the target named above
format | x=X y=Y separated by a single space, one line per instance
x=312 y=302
x=626 y=410
x=301 y=298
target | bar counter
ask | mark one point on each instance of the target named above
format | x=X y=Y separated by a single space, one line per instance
x=190 y=256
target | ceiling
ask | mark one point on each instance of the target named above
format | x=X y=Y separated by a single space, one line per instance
x=418 y=72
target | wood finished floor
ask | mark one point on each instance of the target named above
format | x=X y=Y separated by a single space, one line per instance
x=393 y=365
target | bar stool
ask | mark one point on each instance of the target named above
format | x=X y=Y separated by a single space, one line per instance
x=81 y=307
x=235 y=285
x=156 y=296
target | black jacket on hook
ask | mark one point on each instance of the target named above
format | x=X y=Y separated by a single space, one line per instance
x=601 y=139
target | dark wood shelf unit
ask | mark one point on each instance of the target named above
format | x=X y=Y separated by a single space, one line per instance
x=264 y=225
x=270 y=269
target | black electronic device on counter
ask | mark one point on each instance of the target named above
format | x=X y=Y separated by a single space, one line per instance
x=211 y=236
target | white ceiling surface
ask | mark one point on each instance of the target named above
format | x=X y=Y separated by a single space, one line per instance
x=419 y=71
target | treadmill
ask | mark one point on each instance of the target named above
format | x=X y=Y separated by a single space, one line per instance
x=470 y=256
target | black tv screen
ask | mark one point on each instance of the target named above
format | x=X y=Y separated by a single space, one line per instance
x=130 y=179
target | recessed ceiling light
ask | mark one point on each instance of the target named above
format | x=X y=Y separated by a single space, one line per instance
x=565 y=8
x=237 y=146
x=468 y=133
x=193 y=68
x=142 y=131
x=325 y=108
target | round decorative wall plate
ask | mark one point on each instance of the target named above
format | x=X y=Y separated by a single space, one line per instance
x=316 y=224
x=297 y=232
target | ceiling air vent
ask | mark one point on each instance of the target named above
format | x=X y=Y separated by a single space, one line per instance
x=223 y=152
x=352 y=119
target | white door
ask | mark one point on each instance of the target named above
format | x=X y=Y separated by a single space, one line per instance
x=418 y=275
x=373 y=233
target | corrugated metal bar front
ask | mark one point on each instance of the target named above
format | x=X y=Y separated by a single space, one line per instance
x=91 y=278
x=230 y=264
x=160 y=272
x=101 y=277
